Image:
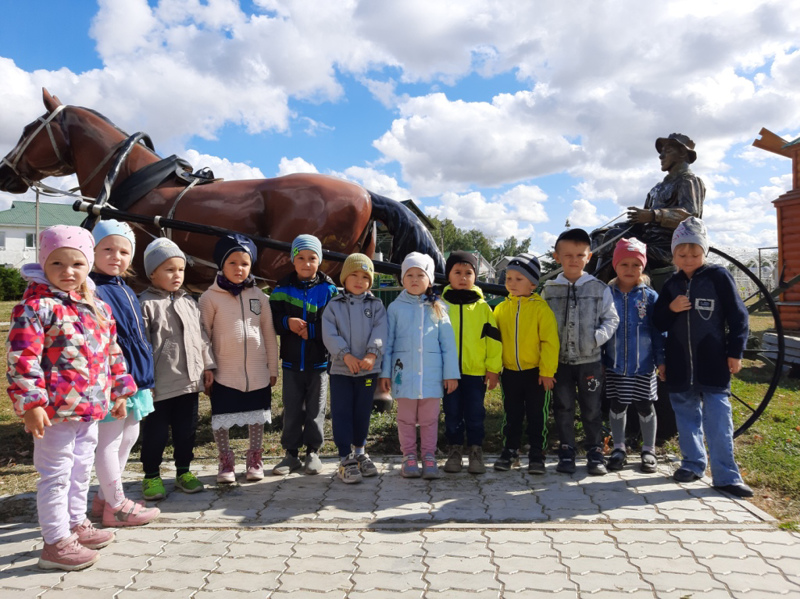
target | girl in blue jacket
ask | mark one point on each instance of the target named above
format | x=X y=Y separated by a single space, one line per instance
x=420 y=363
x=634 y=354
x=114 y=248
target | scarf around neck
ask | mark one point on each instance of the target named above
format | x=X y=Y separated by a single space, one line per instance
x=234 y=288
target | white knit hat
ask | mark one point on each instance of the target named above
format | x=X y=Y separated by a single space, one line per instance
x=692 y=230
x=158 y=252
x=417 y=260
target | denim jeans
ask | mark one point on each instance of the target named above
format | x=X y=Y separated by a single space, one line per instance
x=696 y=413
x=464 y=411
x=581 y=384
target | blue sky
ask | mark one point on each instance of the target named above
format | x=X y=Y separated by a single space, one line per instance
x=509 y=117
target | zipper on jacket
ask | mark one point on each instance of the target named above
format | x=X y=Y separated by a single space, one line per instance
x=516 y=335
x=244 y=325
x=625 y=335
x=689 y=334
x=421 y=344
x=303 y=341
x=461 y=338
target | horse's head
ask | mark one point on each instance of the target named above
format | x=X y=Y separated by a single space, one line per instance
x=42 y=151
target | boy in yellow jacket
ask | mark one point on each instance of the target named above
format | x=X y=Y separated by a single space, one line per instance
x=479 y=361
x=529 y=333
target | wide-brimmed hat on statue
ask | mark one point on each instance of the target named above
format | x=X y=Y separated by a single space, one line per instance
x=681 y=140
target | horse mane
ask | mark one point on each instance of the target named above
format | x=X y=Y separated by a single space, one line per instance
x=408 y=233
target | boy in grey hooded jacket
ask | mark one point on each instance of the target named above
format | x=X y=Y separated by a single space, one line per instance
x=354 y=330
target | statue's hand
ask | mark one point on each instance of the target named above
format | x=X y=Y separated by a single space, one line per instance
x=640 y=215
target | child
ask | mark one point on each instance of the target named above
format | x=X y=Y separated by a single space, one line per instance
x=64 y=365
x=114 y=248
x=237 y=318
x=479 y=360
x=354 y=330
x=695 y=307
x=584 y=309
x=633 y=355
x=530 y=357
x=297 y=305
x=420 y=360
x=183 y=365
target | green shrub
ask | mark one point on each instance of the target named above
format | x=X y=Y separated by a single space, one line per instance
x=12 y=285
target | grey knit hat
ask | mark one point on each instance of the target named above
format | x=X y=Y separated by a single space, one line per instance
x=692 y=230
x=158 y=252
x=528 y=266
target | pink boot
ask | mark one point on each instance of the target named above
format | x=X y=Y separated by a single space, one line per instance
x=255 y=464
x=67 y=554
x=90 y=537
x=130 y=514
x=225 y=473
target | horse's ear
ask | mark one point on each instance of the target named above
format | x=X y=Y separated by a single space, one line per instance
x=50 y=102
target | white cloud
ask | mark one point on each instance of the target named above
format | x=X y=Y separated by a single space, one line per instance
x=222 y=167
x=375 y=181
x=289 y=166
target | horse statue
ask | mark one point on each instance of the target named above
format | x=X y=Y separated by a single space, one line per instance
x=73 y=140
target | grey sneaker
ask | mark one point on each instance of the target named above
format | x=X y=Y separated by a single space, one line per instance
x=476 y=465
x=288 y=464
x=367 y=467
x=313 y=464
x=429 y=468
x=410 y=467
x=454 y=458
x=349 y=471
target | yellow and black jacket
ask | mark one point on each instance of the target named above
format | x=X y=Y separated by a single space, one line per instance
x=529 y=332
x=477 y=337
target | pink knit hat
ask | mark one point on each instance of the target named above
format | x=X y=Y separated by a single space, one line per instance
x=629 y=248
x=66 y=236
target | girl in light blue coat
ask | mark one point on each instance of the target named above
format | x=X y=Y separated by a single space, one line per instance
x=420 y=363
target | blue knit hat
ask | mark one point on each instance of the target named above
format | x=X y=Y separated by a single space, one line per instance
x=233 y=243
x=104 y=228
x=306 y=242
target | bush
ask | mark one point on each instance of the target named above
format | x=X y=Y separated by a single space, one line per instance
x=12 y=285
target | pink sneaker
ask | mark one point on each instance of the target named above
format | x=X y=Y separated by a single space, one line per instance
x=255 y=465
x=67 y=554
x=90 y=537
x=98 y=505
x=130 y=514
x=225 y=473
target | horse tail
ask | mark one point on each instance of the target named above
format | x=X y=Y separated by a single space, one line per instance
x=408 y=233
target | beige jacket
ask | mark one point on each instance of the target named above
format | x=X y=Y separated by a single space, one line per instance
x=242 y=337
x=181 y=349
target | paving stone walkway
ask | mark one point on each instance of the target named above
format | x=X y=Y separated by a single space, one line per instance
x=507 y=534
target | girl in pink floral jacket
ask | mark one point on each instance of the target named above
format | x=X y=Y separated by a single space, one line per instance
x=64 y=370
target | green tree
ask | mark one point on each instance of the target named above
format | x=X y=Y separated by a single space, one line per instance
x=12 y=285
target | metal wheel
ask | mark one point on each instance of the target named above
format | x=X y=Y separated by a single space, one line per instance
x=761 y=367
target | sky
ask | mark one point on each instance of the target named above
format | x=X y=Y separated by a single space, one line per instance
x=511 y=117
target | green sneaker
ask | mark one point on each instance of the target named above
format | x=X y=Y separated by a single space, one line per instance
x=189 y=483
x=153 y=488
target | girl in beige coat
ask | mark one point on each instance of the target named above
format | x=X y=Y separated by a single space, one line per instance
x=237 y=318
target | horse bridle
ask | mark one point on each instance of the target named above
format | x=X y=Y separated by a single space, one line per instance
x=23 y=144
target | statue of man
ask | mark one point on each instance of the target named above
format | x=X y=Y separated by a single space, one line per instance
x=679 y=196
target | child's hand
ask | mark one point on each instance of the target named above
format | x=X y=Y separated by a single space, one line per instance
x=547 y=382
x=734 y=365
x=36 y=420
x=273 y=380
x=352 y=363
x=120 y=409
x=491 y=380
x=298 y=326
x=385 y=385
x=680 y=304
x=662 y=372
x=450 y=385
x=208 y=380
x=367 y=362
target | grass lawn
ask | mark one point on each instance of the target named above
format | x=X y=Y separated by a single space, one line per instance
x=768 y=453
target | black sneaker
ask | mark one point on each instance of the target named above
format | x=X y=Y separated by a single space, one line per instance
x=536 y=464
x=617 y=459
x=595 y=463
x=508 y=459
x=684 y=475
x=737 y=490
x=566 y=460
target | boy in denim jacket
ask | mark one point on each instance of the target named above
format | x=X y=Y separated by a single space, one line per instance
x=584 y=309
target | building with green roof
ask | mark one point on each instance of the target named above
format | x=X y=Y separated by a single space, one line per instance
x=18 y=228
